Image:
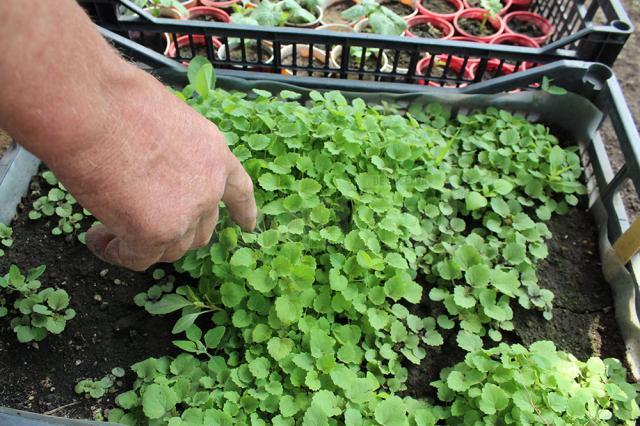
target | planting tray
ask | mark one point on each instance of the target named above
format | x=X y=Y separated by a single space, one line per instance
x=595 y=30
x=595 y=97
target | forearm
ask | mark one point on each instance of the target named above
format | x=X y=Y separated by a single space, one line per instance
x=64 y=88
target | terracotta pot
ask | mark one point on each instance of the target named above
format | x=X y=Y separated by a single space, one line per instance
x=327 y=18
x=233 y=46
x=219 y=4
x=318 y=15
x=336 y=27
x=444 y=26
x=541 y=23
x=503 y=11
x=335 y=59
x=218 y=15
x=302 y=58
x=183 y=41
x=446 y=16
x=478 y=14
x=456 y=64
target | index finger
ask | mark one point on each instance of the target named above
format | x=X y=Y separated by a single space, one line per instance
x=238 y=196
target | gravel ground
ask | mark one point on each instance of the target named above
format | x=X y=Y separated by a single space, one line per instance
x=626 y=69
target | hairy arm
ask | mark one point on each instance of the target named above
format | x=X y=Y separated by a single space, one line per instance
x=151 y=169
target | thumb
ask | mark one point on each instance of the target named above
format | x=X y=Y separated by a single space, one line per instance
x=109 y=248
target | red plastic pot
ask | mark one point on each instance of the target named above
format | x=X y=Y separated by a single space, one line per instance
x=190 y=3
x=219 y=4
x=218 y=15
x=444 y=26
x=456 y=65
x=446 y=16
x=504 y=10
x=183 y=41
x=478 y=14
x=543 y=25
x=520 y=5
x=515 y=40
x=494 y=70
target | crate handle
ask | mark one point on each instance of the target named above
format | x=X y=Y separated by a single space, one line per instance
x=628 y=244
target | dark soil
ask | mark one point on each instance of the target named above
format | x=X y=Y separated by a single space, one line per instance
x=185 y=52
x=332 y=13
x=426 y=30
x=398 y=7
x=109 y=329
x=583 y=320
x=437 y=71
x=525 y=27
x=5 y=141
x=475 y=27
x=443 y=7
x=207 y=18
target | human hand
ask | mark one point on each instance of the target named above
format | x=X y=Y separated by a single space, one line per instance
x=156 y=180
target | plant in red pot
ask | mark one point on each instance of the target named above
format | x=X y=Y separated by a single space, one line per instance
x=429 y=27
x=444 y=66
x=159 y=8
x=478 y=24
x=501 y=7
x=184 y=47
x=209 y=14
x=529 y=24
x=443 y=9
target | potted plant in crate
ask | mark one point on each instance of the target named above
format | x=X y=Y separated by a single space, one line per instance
x=504 y=7
x=208 y=14
x=444 y=9
x=429 y=27
x=360 y=60
x=481 y=24
x=530 y=25
x=332 y=12
x=184 y=51
x=315 y=58
x=404 y=8
x=375 y=18
x=435 y=67
x=302 y=13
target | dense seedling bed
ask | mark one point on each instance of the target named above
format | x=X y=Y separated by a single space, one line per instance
x=383 y=236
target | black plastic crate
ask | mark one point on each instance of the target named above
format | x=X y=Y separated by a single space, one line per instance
x=594 y=31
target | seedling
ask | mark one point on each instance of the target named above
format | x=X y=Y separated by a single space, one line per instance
x=305 y=321
x=98 y=388
x=382 y=20
x=301 y=12
x=6 y=237
x=35 y=312
x=58 y=202
x=536 y=385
